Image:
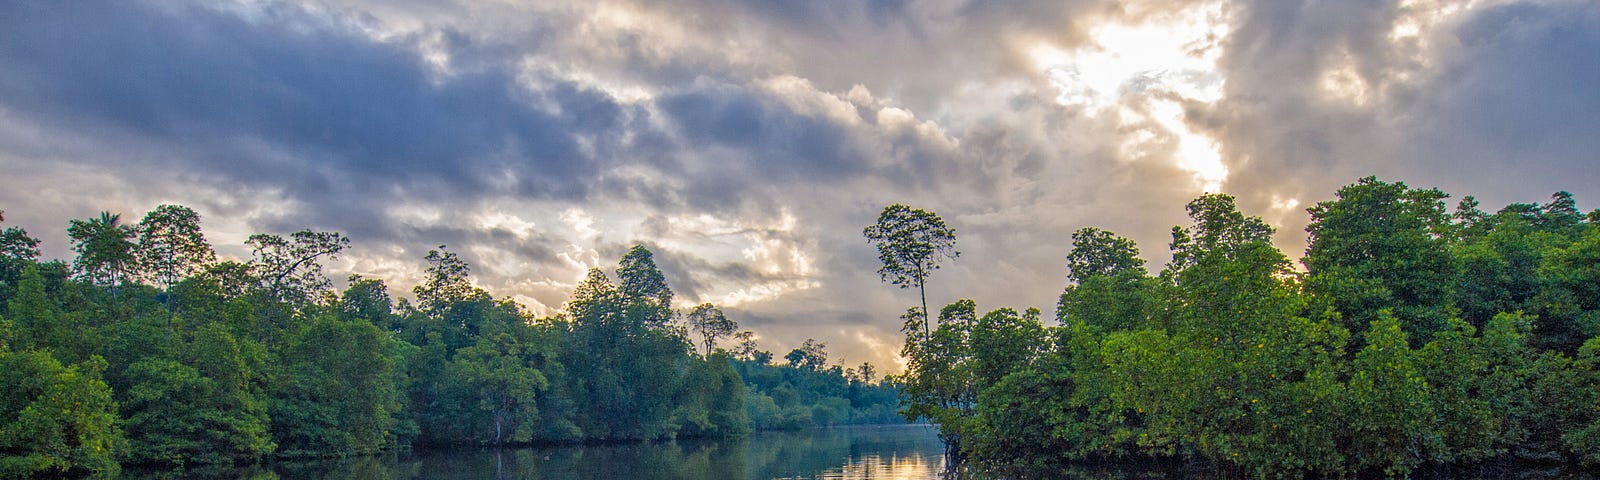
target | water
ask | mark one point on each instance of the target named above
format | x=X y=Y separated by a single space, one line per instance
x=899 y=452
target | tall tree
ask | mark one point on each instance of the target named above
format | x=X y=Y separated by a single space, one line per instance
x=812 y=355
x=911 y=242
x=17 y=250
x=1219 y=228
x=290 y=270
x=505 y=383
x=1099 y=252
x=1383 y=245
x=368 y=299
x=447 y=282
x=747 y=349
x=708 y=321
x=171 y=245
x=337 y=389
x=105 y=249
x=644 y=288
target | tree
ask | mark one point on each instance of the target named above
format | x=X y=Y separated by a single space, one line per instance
x=643 y=287
x=1097 y=252
x=446 y=284
x=105 y=249
x=368 y=299
x=56 y=421
x=33 y=314
x=17 y=250
x=337 y=389
x=1110 y=288
x=289 y=270
x=498 y=374
x=171 y=245
x=595 y=301
x=1383 y=246
x=747 y=349
x=812 y=355
x=939 y=381
x=206 y=407
x=911 y=242
x=708 y=320
x=288 y=273
x=1389 y=403
x=1561 y=214
x=1003 y=341
x=1219 y=228
x=867 y=372
x=1568 y=304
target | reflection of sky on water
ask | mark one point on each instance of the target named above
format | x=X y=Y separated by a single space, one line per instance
x=874 y=467
x=899 y=452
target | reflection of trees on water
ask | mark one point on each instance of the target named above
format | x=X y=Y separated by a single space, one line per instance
x=853 y=453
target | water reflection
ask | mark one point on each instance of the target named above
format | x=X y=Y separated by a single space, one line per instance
x=858 y=453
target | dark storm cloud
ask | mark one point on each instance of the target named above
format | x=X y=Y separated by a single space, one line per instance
x=1279 y=132
x=339 y=114
x=1501 y=106
x=775 y=143
x=1517 y=106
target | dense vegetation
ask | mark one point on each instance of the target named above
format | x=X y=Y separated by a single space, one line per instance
x=147 y=350
x=1413 y=340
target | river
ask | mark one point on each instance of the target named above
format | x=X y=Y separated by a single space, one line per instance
x=897 y=452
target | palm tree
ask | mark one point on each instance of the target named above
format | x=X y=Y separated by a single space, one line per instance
x=105 y=249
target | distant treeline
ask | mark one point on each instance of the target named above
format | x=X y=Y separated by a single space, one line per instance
x=147 y=350
x=1414 y=340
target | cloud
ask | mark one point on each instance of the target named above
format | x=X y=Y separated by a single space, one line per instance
x=1479 y=98
x=749 y=142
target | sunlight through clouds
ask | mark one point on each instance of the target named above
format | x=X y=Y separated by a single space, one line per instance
x=1160 y=62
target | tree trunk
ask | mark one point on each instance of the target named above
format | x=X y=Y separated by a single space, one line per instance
x=927 y=334
x=953 y=458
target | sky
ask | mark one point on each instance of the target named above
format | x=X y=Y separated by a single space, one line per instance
x=748 y=143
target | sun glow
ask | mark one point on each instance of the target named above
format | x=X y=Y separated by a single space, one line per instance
x=1142 y=74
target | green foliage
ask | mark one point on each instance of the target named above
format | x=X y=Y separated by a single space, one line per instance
x=368 y=299
x=499 y=373
x=233 y=363
x=337 y=389
x=171 y=246
x=288 y=270
x=1391 y=241
x=447 y=284
x=1027 y=421
x=17 y=251
x=911 y=242
x=811 y=355
x=966 y=354
x=1097 y=252
x=1389 y=404
x=793 y=397
x=710 y=323
x=56 y=421
x=206 y=406
x=1232 y=358
x=1568 y=302
x=1219 y=228
x=644 y=289
x=105 y=249
x=1584 y=439
x=32 y=313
